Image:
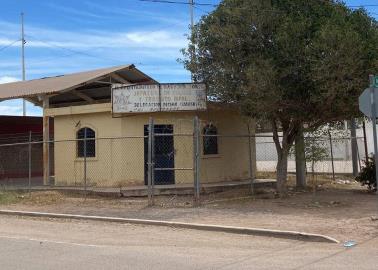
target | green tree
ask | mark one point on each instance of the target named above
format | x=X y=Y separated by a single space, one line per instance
x=293 y=63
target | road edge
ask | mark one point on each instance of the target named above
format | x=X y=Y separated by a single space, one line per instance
x=293 y=235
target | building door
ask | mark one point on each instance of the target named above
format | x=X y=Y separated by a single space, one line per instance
x=164 y=155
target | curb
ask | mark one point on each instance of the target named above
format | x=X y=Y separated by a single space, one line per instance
x=293 y=235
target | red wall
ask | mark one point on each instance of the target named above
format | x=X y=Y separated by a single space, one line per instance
x=22 y=124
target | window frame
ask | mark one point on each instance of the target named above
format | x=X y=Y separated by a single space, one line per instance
x=213 y=149
x=91 y=143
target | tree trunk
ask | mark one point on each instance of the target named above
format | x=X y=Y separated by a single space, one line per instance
x=282 y=172
x=289 y=132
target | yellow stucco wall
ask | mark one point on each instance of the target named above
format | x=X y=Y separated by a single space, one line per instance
x=119 y=157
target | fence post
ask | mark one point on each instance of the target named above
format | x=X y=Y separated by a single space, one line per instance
x=150 y=160
x=196 y=161
x=333 y=165
x=30 y=161
x=46 y=142
x=85 y=163
x=153 y=163
x=365 y=141
x=354 y=146
x=250 y=160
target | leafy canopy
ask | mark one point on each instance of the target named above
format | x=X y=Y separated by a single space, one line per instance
x=290 y=61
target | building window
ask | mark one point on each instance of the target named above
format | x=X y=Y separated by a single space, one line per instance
x=90 y=145
x=210 y=140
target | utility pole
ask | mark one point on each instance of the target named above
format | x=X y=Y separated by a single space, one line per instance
x=191 y=5
x=23 y=59
x=193 y=49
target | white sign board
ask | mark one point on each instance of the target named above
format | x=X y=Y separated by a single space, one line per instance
x=158 y=97
x=365 y=102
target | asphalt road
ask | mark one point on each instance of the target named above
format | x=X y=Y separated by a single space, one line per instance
x=27 y=243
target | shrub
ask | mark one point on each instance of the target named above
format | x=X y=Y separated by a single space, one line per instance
x=367 y=175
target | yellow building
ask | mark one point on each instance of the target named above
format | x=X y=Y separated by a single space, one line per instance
x=116 y=144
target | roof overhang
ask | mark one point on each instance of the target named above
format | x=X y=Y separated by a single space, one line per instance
x=89 y=87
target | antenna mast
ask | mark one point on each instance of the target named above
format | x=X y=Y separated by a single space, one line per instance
x=23 y=59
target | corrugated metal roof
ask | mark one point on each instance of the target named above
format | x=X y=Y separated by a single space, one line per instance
x=56 y=84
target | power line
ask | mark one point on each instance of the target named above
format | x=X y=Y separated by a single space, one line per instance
x=49 y=59
x=178 y=2
x=202 y=10
x=359 y=6
x=9 y=45
x=74 y=51
x=217 y=5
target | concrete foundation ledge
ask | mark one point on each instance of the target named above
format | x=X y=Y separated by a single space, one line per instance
x=293 y=235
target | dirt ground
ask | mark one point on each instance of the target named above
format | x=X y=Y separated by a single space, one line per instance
x=341 y=209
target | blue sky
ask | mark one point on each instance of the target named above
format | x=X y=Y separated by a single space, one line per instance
x=71 y=35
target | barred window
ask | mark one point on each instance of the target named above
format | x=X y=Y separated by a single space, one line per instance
x=90 y=146
x=210 y=140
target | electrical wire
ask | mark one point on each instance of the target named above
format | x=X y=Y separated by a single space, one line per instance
x=217 y=5
x=206 y=12
x=178 y=2
x=74 y=52
x=359 y=6
x=202 y=10
x=9 y=45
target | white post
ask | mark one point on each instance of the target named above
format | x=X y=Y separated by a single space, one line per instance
x=373 y=121
x=251 y=176
x=196 y=161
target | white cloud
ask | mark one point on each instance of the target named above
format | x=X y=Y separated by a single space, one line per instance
x=132 y=39
x=139 y=14
x=9 y=42
x=159 y=39
x=75 y=11
x=8 y=79
x=14 y=107
x=51 y=51
x=87 y=39
x=10 y=110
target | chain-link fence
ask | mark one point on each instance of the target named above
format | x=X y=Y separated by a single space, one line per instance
x=324 y=155
x=163 y=160
x=21 y=160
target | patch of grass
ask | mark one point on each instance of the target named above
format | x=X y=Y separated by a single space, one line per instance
x=34 y=198
x=8 y=197
x=45 y=198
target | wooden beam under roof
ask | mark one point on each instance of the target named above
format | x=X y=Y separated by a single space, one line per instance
x=118 y=78
x=102 y=82
x=76 y=103
x=83 y=96
x=35 y=102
